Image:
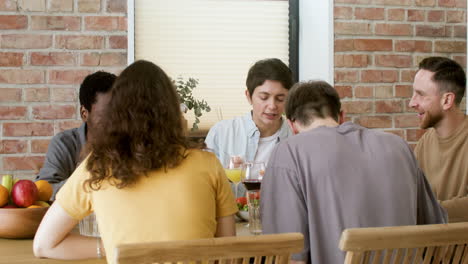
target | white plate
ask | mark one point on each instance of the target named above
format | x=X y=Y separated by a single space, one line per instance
x=244 y=215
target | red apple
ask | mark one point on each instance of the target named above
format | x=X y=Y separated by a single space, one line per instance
x=24 y=193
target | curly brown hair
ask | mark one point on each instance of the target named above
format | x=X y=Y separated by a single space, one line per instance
x=141 y=129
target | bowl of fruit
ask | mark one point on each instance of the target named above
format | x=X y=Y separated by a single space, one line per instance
x=243 y=212
x=22 y=206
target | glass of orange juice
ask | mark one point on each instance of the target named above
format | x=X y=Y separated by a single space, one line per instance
x=233 y=169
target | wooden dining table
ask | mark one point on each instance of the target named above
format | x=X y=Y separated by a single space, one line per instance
x=16 y=251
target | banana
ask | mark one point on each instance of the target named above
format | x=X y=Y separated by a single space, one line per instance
x=7 y=181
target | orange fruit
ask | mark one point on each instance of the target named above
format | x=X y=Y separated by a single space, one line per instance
x=34 y=206
x=3 y=195
x=45 y=190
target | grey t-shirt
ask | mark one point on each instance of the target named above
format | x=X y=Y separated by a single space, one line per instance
x=63 y=156
x=328 y=179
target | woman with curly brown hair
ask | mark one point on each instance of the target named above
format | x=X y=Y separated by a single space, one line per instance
x=142 y=178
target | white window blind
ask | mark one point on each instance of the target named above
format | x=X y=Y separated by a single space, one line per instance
x=214 y=41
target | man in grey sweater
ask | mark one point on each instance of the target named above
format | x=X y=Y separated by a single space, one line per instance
x=334 y=176
x=65 y=149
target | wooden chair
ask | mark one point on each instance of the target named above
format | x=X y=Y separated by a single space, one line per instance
x=275 y=248
x=444 y=243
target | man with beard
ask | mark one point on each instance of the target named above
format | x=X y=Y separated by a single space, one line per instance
x=63 y=154
x=439 y=86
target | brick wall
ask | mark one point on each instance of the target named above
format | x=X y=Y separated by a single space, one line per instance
x=47 y=47
x=378 y=45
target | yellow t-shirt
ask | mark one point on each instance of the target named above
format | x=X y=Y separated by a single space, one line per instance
x=181 y=203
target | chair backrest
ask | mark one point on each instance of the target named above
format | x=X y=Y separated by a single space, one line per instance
x=444 y=243
x=236 y=250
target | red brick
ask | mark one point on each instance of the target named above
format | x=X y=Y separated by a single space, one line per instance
x=36 y=94
x=373 y=44
x=374 y=121
x=376 y=76
x=79 y=42
x=383 y=91
x=400 y=132
x=447 y=3
x=344 y=91
x=450 y=46
x=61 y=5
x=364 y=91
x=388 y=106
x=396 y=14
x=351 y=60
x=403 y=91
x=460 y=4
x=54 y=112
x=430 y=3
x=67 y=76
x=11 y=59
x=23 y=163
x=352 y=28
x=431 y=31
x=393 y=2
x=357 y=107
x=104 y=59
x=346 y=76
x=398 y=61
x=460 y=59
x=436 y=16
x=415 y=15
x=459 y=31
x=456 y=16
x=13 y=22
x=64 y=95
x=69 y=23
x=344 y=45
x=414 y=134
x=354 y=1
x=32 y=5
x=393 y=29
x=26 y=41
x=117 y=6
x=53 y=58
x=8 y=5
x=408 y=75
x=10 y=95
x=27 y=129
x=39 y=145
x=343 y=12
x=107 y=23
x=406 y=120
x=65 y=125
x=118 y=42
x=21 y=76
x=369 y=13
x=13 y=146
x=89 y=6
x=13 y=112
x=413 y=46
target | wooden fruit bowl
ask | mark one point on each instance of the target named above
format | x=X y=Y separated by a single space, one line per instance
x=20 y=222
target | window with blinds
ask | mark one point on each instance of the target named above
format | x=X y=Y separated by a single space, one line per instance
x=214 y=41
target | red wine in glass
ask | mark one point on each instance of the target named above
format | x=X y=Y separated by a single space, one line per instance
x=252 y=184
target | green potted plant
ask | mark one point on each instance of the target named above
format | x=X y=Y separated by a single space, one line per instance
x=184 y=89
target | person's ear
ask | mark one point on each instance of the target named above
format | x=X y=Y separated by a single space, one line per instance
x=293 y=127
x=247 y=95
x=447 y=100
x=341 y=119
x=84 y=113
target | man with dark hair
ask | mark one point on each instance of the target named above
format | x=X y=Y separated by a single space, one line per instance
x=63 y=154
x=334 y=176
x=438 y=89
x=254 y=135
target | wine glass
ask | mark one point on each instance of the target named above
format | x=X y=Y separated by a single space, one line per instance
x=233 y=169
x=252 y=175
